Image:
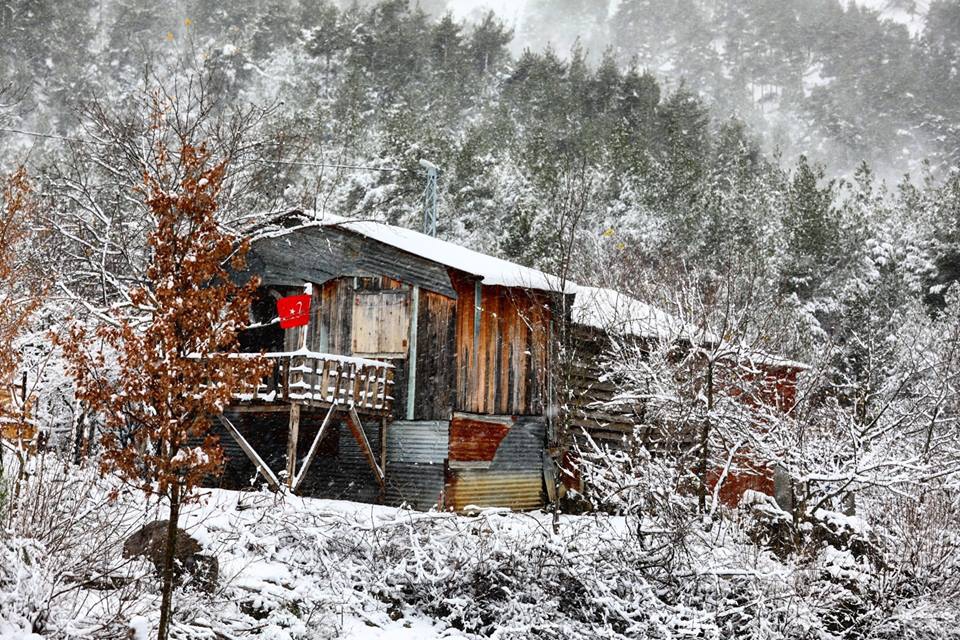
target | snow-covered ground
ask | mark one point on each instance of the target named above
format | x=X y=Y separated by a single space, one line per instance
x=294 y=568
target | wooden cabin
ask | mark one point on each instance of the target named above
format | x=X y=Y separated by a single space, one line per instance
x=424 y=374
x=422 y=377
x=599 y=313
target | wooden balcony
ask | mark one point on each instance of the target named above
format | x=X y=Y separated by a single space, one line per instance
x=324 y=380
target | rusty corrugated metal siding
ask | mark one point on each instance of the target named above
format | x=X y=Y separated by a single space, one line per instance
x=512 y=478
x=416 y=458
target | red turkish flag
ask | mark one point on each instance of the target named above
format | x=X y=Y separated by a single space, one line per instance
x=294 y=311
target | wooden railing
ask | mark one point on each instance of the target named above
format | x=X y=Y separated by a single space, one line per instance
x=321 y=379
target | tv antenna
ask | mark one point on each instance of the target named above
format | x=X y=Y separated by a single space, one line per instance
x=430 y=199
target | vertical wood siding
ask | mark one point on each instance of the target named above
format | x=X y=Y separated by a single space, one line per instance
x=334 y=330
x=436 y=357
x=333 y=333
x=381 y=323
x=501 y=349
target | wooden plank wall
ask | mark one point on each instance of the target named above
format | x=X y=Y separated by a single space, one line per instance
x=331 y=328
x=502 y=350
x=436 y=357
x=381 y=323
x=319 y=254
x=332 y=332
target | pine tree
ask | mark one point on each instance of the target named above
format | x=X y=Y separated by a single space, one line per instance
x=812 y=231
x=488 y=44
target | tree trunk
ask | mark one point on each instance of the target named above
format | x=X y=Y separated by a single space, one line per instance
x=79 y=444
x=168 y=558
x=705 y=443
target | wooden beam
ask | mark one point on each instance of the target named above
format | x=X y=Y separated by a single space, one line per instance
x=293 y=432
x=302 y=474
x=259 y=408
x=384 y=422
x=258 y=462
x=293 y=439
x=357 y=428
x=412 y=352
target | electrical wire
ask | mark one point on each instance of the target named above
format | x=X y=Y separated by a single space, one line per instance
x=52 y=136
x=299 y=163
x=359 y=167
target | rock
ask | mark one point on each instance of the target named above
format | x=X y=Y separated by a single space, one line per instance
x=150 y=542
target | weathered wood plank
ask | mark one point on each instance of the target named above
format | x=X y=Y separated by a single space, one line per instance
x=258 y=462
x=321 y=254
x=356 y=427
x=312 y=452
x=293 y=438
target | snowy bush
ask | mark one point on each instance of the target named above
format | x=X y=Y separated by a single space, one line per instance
x=296 y=568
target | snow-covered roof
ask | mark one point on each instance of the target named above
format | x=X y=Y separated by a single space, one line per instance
x=773 y=360
x=598 y=307
x=491 y=270
x=611 y=310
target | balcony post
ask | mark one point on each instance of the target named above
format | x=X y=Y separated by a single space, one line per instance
x=294 y=375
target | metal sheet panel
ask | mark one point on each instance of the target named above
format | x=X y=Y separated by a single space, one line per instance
x=514 y=478
x=423 y=442
x=416 y=456
x=485 y=488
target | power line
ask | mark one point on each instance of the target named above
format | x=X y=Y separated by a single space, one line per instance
x=324 y=165
x=299 y=163
x=52 y=136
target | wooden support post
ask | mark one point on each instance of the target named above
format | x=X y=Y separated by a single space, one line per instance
x=412 y=353
x=357 y=384
x=325 y=395
x=357 y=428
x=294 y=377
x=384 y=422
x=302 y=474
x=285 y=379
x=315 y=380
x=258 y=462
x=293 y=438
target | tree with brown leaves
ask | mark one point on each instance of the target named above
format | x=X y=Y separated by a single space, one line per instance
x=20 y=296
x=174 y=370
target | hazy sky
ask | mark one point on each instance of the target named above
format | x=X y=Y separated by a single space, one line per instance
x=511 y=10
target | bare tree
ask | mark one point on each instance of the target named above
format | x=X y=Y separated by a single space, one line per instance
x=95 y=208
